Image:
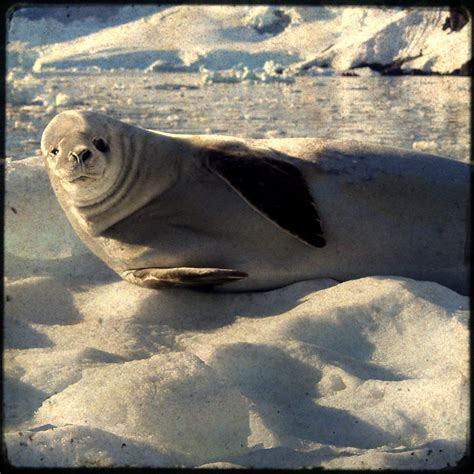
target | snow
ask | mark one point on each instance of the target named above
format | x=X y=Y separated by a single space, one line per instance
x=369 y=373
x=187 y=37
x=425 y=146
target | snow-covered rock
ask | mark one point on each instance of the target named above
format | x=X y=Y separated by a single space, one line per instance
x=369 y=373
x=403 y=40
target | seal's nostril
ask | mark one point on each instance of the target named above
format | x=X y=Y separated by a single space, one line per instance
x=85 y=155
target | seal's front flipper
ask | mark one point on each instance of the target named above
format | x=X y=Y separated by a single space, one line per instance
x=182 y=276
x=274 y=187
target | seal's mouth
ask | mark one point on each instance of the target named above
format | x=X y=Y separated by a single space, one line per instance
x=83 y=178
x=81 y=172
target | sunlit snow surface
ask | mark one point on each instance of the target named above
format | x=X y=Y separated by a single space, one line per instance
x=371 y=373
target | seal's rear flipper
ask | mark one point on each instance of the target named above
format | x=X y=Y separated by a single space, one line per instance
x=181 y=276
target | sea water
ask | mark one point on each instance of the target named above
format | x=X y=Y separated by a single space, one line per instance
x=426 y=113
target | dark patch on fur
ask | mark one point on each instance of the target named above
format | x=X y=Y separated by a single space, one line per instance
x=275 y=187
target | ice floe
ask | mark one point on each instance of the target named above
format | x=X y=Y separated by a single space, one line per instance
x=369 y=373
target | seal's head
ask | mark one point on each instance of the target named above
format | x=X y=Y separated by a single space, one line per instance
x=95 y=161
x=81 y=154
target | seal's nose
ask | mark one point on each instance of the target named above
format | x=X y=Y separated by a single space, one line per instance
x=77 y=156
x=85 y=154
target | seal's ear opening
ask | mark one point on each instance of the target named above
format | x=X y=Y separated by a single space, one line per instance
x=272 y=186
x=100 y=144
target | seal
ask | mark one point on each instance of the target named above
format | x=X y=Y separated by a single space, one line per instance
x=214 y=211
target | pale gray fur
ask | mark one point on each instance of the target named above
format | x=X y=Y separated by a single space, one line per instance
x=384 y=211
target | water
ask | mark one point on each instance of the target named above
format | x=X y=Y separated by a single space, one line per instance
x=429 y=113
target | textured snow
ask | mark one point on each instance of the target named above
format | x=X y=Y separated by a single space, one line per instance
x=187 y=37
x=178 y=402
x=370 y=373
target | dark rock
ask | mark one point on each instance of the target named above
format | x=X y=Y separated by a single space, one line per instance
x=464 y=70
x=280 y=22
x=457 y=19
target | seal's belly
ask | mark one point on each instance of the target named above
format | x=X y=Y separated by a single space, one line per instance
x=243 y=240
x=153 y=244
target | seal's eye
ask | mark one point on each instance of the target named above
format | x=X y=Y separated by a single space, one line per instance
x=100 y=144
x=53 y=151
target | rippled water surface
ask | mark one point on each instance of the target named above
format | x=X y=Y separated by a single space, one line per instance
x=428 y=113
